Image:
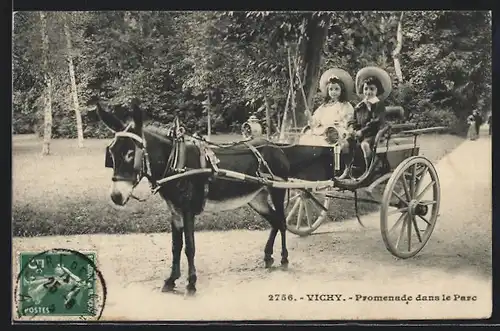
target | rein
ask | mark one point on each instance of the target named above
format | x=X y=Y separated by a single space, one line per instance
x=176 y=163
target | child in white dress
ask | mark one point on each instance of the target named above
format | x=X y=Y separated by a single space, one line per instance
x=334 y=112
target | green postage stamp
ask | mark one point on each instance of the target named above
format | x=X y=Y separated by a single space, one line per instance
x=59 y=283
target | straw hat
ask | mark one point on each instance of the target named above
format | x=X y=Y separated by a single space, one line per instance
x=378 y=73
x=342 y=75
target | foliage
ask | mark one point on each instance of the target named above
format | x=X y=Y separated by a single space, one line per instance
x=172 y=61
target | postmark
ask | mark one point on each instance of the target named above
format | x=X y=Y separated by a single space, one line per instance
x=59 y=284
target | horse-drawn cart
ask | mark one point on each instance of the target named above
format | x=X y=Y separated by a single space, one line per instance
x=190 y=176
x=409 y=202
x=194 y=175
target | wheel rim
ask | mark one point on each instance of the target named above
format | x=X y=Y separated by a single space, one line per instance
x=415 y=187
x=303 y=215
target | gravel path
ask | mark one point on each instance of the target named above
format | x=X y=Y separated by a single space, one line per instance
x=340 y=258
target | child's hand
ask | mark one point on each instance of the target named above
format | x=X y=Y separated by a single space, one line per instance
x=313 y=122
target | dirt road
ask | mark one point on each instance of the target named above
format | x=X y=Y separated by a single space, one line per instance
x=341 y=258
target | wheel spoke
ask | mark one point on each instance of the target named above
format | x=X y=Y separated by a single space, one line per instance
x=420 y=179
x=408 y=227
x=412 y=180
x=316 y=203
x=292 y=211
x=299 y=215
x=427 y=202
x=401 y=233
x=421 y=170
x=417 y=230
x=316 y=206
x=294 y=197
x=424 y=219
x=400 y=219
x=406 y=188
x=419 y=197
x=400 y=210
x=308 y=213
x=400 y=198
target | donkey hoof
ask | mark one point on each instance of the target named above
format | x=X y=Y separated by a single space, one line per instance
x=168 y=286
x=269 y=262
x=284 y=265
x=190 y=290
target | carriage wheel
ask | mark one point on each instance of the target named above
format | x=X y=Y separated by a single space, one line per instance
x=410 y=207
x=303 y=214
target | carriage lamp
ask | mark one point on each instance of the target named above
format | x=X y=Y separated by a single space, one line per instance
x=251 y=128
x=334 y=137
x=336 y=162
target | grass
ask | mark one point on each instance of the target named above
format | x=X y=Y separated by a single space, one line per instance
x=67 y=192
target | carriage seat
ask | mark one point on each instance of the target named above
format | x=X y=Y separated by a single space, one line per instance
x=394 y=113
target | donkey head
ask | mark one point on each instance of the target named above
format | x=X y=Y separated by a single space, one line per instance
x=126 y=152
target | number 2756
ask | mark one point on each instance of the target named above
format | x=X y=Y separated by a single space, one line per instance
x=280 y=297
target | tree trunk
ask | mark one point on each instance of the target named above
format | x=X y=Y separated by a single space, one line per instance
x=283 y=124
x=383 y=60
x=310 y=47
x=209 y=117
x=47 y=118
x=268 y=117
x=397 y=50
x=74 y=92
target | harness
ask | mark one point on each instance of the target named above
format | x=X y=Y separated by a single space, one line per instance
x=176 y=162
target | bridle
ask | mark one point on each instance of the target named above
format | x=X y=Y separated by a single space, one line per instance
x=142 y=164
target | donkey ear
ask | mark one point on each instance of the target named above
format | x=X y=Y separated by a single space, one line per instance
x=137 y=114
x=110 y=120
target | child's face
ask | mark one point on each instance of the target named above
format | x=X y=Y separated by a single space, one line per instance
x=334 y=91
x=369 y=90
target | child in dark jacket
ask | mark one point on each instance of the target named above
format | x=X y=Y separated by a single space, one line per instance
x=367 y=120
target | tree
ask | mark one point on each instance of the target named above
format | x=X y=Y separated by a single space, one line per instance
x=314 y=28
x=47 y=133
x=397 y=50
x=172 y=61
x=74 y=91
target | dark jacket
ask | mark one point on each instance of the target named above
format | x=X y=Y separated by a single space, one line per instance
x=368 y=121
x=479 y=119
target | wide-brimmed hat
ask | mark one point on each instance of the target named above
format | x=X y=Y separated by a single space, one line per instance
x=342 y=75
x=378 y=73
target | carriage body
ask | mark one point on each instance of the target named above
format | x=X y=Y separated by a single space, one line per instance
x=319 y=161
x=319 y=155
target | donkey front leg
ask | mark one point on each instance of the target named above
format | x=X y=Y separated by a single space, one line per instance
x=175 y=274
x=278 y=198
x=190 y=251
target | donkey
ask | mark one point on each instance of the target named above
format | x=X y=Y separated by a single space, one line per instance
x=139 y=152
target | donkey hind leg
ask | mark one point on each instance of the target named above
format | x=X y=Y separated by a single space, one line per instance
x=261 y=205
x=175 y=273
x=278 y=199
x=190 y=251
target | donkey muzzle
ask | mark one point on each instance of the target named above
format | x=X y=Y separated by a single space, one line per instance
x=121 y=192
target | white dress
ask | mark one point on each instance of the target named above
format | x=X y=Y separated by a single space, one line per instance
x=327 y=115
